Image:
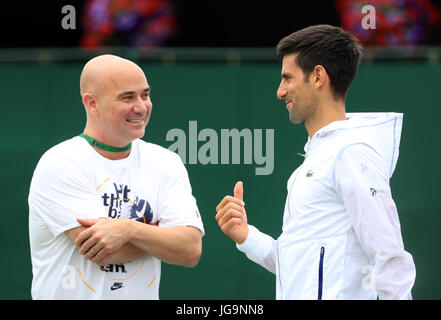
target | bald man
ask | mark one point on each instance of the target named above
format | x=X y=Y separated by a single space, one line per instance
x=105 y=207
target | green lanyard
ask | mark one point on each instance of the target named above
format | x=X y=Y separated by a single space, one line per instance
x=103 y=146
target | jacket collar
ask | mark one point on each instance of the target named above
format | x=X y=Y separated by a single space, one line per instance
x=380 y=130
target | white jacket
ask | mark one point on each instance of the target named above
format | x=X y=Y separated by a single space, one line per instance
x=341 y=236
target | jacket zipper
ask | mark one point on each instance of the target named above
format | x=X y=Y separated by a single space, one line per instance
x=278 y=266
x=289 y=213
x=320 y=275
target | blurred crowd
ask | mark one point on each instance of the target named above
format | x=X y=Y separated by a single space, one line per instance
x=398 y=22
x=152 y=22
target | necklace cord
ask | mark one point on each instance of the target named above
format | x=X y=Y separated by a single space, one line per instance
x=104 y=146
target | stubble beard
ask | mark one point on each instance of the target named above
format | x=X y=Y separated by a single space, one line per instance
x=298 y=114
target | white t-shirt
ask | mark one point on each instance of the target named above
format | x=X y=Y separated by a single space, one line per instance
x=72 y=180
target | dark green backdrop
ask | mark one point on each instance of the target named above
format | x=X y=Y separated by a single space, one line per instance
x=41 y=106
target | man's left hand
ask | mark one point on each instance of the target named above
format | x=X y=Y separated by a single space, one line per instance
x=102 y=237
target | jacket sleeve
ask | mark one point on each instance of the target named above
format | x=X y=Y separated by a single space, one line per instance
x=361 y=179
x=260 y=248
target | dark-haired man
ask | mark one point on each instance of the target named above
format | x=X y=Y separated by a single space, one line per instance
x=341 y=235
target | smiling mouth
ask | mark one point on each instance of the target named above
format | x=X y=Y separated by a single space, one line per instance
x=135 y=121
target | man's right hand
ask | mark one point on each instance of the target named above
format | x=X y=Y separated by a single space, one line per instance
x=231 y=215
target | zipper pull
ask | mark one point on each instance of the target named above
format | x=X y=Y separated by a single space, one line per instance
x=320 y=274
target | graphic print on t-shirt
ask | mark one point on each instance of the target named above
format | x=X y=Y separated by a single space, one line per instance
x=121 y=201
x=121 y=204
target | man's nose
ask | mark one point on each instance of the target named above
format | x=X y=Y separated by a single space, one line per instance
x=281 y=91
x=141 y=105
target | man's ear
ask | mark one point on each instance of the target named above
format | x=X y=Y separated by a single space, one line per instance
x=89 y=103
x=319 y=76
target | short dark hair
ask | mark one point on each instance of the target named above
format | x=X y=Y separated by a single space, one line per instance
x=336 y=50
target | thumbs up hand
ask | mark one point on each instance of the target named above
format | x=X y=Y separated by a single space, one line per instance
x=231 y=215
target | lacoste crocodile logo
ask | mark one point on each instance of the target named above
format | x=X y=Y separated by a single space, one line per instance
x=309 y=173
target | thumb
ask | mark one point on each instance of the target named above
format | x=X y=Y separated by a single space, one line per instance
x=238 y=190
x=87 y=222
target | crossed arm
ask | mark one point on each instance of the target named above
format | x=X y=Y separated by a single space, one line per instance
x=106 y=241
